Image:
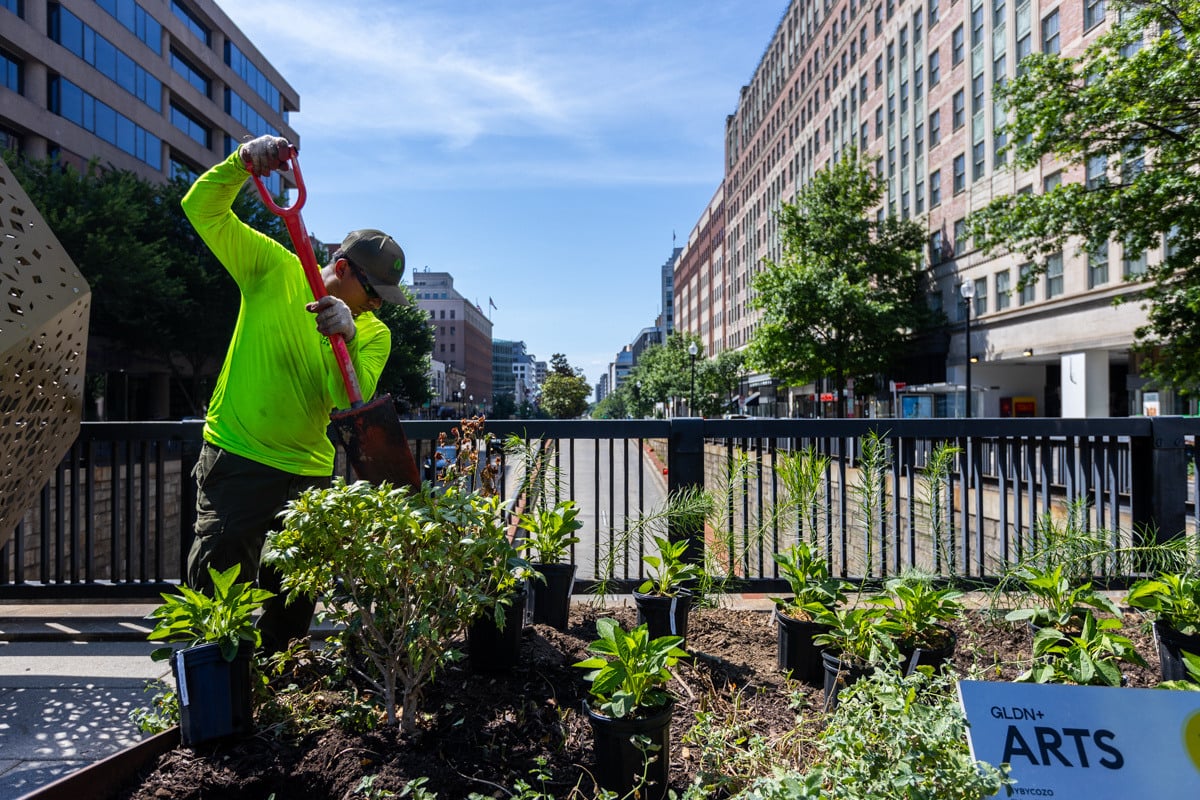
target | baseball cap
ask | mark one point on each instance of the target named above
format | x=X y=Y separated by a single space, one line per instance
x=378 y=255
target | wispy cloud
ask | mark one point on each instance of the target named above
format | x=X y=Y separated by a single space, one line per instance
x=536 y=92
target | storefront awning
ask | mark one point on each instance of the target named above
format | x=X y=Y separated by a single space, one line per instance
x=752 y=399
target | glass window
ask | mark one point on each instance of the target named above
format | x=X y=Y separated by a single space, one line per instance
x=1098 y=266
x=878 y=71
x=136 y=20
x=1093 y=13
x=1050 y=38
x=977 y=25
x=1054 y=275
x=12 y=72
x=958 y=103
x=919 y=139
x=257 y=82
x=956 y=46
x=1052 y=180
x=960 y=173
x=935 y=68
x=981 y=296
x=977 y=93
x=935 y=128
x=1003 y=290
x=192 y=22
x=878 y=20
x=191 y=126
x=1096 y=173
x=1028 y=284
x=879 y=122
x=935 y=248
x=1133 y=262
x=961 y=242
x=72 y=103
x=192 y=74
x=935 y=188
x=978 y=160
x=244 y=113
x=933 y=12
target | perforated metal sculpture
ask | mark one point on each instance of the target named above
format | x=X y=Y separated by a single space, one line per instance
x=44 y=306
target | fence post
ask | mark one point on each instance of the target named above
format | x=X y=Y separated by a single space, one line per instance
x=189 y=454
x=685 y=470
x=1158 y=494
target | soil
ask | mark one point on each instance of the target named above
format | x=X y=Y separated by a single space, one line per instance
x=485 y=732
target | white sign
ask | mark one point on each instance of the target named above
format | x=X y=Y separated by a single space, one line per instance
x=1086 y=741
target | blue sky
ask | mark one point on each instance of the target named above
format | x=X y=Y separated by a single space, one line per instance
x=542 y=152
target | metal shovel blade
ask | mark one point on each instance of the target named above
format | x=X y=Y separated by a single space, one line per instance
x=375 y=443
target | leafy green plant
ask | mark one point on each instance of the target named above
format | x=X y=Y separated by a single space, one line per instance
x=814 y=590
x=862 y=636
x=935 y=479
x=870 y=489
x=1173 y=598
x=801 y=474
x=226 y=617
x=399 y=573
x=919 y=609
x=894 y=736
x=630 y=671
x=669 y=572
x=1058 y=603
x=1091 y=657
x=1191 y=662
x=551 y=531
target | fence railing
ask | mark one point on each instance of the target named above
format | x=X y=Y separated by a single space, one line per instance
x=953 y=497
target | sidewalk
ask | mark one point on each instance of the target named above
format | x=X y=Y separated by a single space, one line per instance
x=69 y=677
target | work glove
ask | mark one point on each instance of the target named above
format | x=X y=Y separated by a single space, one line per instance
x=266 y=153
x=333 y=316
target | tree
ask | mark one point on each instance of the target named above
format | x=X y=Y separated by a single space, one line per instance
x=665 y=372
x=406 y=374
x=717 y=382
x=847 y=295
x=1126 y=107
x=565 y=390
x=504 y=405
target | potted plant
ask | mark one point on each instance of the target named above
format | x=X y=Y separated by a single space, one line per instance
x=814 y=592
x=1089 y=657
x=212 y=669
x=1173 y=599
x=856 y=641
x=921 y=612
x=664 y=600
x=630 y=712
x=494 y=637
x=1058 y=604
x=550 y=533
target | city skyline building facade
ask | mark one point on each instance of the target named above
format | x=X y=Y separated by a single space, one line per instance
x=912 y=87
x=462 y=335
x=158 y=88
x=161 y=88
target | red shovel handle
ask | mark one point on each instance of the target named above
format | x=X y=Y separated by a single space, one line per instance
x=295 y=226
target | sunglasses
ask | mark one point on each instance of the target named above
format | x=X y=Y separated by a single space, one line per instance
x=363 y=281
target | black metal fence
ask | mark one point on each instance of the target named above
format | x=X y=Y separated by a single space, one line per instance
x=115 y=519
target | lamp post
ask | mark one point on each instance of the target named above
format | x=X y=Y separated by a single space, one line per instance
x=462 y=398
x=637 y=398
x=967 y=290
x=692 y=350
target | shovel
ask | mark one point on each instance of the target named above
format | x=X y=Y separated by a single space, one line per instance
x=371 y=433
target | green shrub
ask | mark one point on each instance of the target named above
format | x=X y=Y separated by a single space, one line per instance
x=400 y=574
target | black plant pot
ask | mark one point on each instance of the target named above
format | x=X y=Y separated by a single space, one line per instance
x=214 y=694
x=493 y=647
x=1171 y=646
x=840 y=674
x=664 y=616
x=633 y=751
x=935 y=657
x=797 y=653
x=551 y=599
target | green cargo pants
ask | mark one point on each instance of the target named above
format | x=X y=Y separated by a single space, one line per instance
x=237 y=503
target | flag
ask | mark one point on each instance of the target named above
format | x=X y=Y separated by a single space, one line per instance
x=492 y=303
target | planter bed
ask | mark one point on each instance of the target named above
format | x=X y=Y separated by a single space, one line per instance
x=489 y=730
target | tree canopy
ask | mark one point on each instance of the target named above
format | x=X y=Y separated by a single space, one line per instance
x=847 y=294
x=565 y=390
x=406 y=374
x=1126 y=110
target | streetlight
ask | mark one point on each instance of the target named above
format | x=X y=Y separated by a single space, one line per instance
x=637 y=398
x=462 y=397
x=692 y=350
x=967 y=290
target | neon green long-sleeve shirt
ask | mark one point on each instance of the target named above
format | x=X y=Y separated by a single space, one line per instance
x=280 y=378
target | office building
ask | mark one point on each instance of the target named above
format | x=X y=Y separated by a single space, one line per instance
x=158 y=87
x=462 y=337
x=912 y=86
